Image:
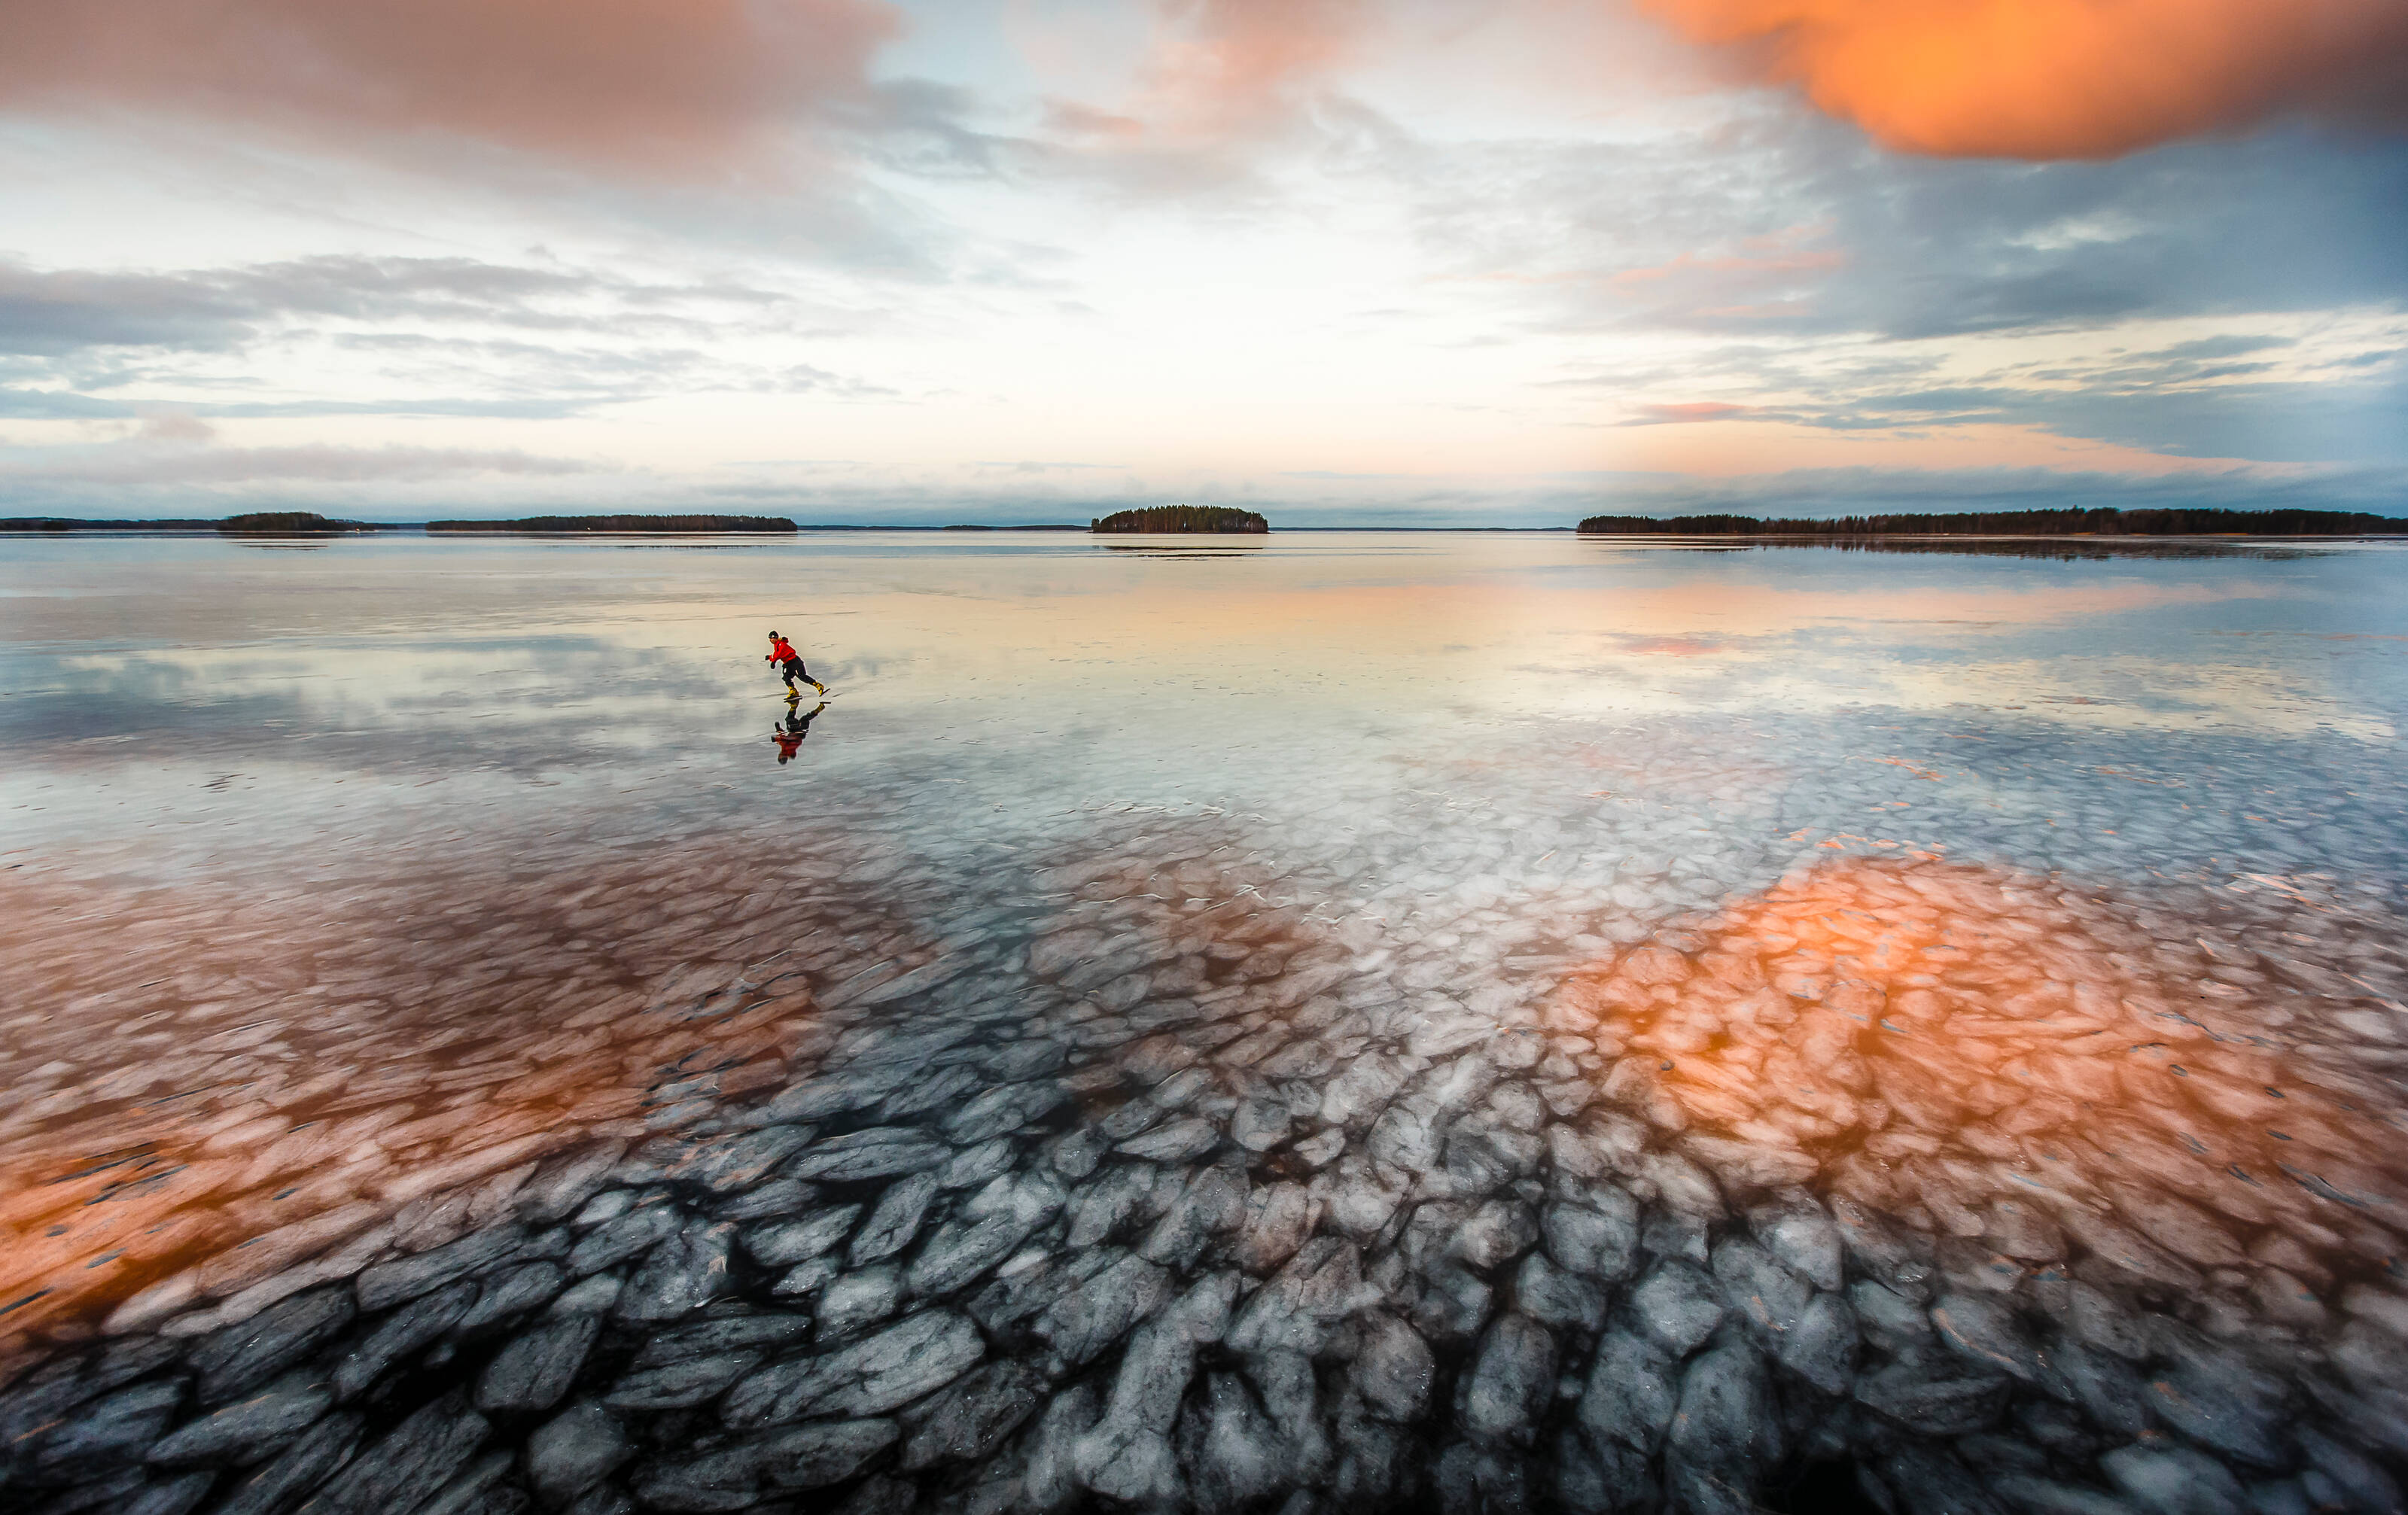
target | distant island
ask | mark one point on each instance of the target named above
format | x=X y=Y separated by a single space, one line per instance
x=2098 y=522
x=1183 y=517
x=258 y=524
x=572 y=525
x=291 y=524
x=67 y=523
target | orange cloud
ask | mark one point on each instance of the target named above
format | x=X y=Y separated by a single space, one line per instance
x=661 y=87
x=2063 y=78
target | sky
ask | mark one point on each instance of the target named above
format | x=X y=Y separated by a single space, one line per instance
x=1423 y=263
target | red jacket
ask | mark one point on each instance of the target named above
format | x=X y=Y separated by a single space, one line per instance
x=781 y=651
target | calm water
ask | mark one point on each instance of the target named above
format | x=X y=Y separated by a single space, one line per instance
x=1465 y=1020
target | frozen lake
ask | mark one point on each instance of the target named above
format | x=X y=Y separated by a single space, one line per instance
x=1345 y=1021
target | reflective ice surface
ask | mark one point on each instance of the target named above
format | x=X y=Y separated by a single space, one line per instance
x=1345 y=1021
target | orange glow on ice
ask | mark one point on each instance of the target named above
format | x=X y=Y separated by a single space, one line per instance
x=1995 y=1057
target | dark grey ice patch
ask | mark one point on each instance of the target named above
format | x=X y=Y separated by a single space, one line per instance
x=1095 y=1313
x=807 y=1457
x=977 y=1166
x=1498 y=1231
x=1822 y=1349
x=563 y=1184
x=2106 y=1388
x=2230 y=1412
x=536 y=1370
x=247 y=1430
x=1987 y=1332
x=2046 y=1496
x=962 y=1248
x=1926 y=1477
x=404 y=1331
x=879 y=1153
x=174 y=1497
x=1934 y=1401
x=855 y=1300
x=769 y=1330
x=690 y=1372
x=1050 y=1476
x=784 y=1243
x=1180 y=1141
x=1212 y=1204
x=301 y=1467
x=1136 y=1115
x=514 y=1294
x=1232 y=1453
x=575 y=1449
x=1631 y=1390
x=680 y=1275
x=109 y=1430
x=946 y=1088
x=1292 y=1398
x=807 y=1277
x=591 y=1296
x=1279 y=1218
x=680 y=1385
x=467 y=1489
x=387 y=1284
x=747 y=1160
x=1554 y=1297
x=1512 y=1379
x=895 y=1221
x=1593 y=1242
x=1299 y=1308
x=1455 y=1303
x=1008 y=1108
x=834 y=1093
x=968 y=1421
x=419 y=1455
x=779 y=1197
x=45 y=1396
x=1392 y=1368
x=1771 y=1296
x=1678 y=1305
x=236 y=1359
x=615 y=1241
x=1725 y=1424
x=896 y=1366
x=1128 y=1454
x=1106 y=1204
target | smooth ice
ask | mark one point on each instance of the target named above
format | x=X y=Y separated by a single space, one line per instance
x=1344 y=1022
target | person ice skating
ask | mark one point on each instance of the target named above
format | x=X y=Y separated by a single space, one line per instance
x=790 y=664
x=790 y=735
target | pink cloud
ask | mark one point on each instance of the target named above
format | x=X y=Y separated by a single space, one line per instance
x=669 y=90
x=1216 y=74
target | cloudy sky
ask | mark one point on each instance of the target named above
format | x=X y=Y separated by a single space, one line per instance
x=1423 y=262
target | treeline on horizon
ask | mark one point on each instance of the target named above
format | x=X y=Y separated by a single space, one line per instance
x=549 y=526
x=259 y=523
x=2098 y=522
x=1215 y=520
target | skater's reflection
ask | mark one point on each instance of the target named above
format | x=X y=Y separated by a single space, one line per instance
x=789 y=733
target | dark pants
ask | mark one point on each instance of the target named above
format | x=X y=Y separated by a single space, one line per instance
x=793 y=668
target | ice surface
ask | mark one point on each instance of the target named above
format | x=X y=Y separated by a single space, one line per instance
x=1633 y=1082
